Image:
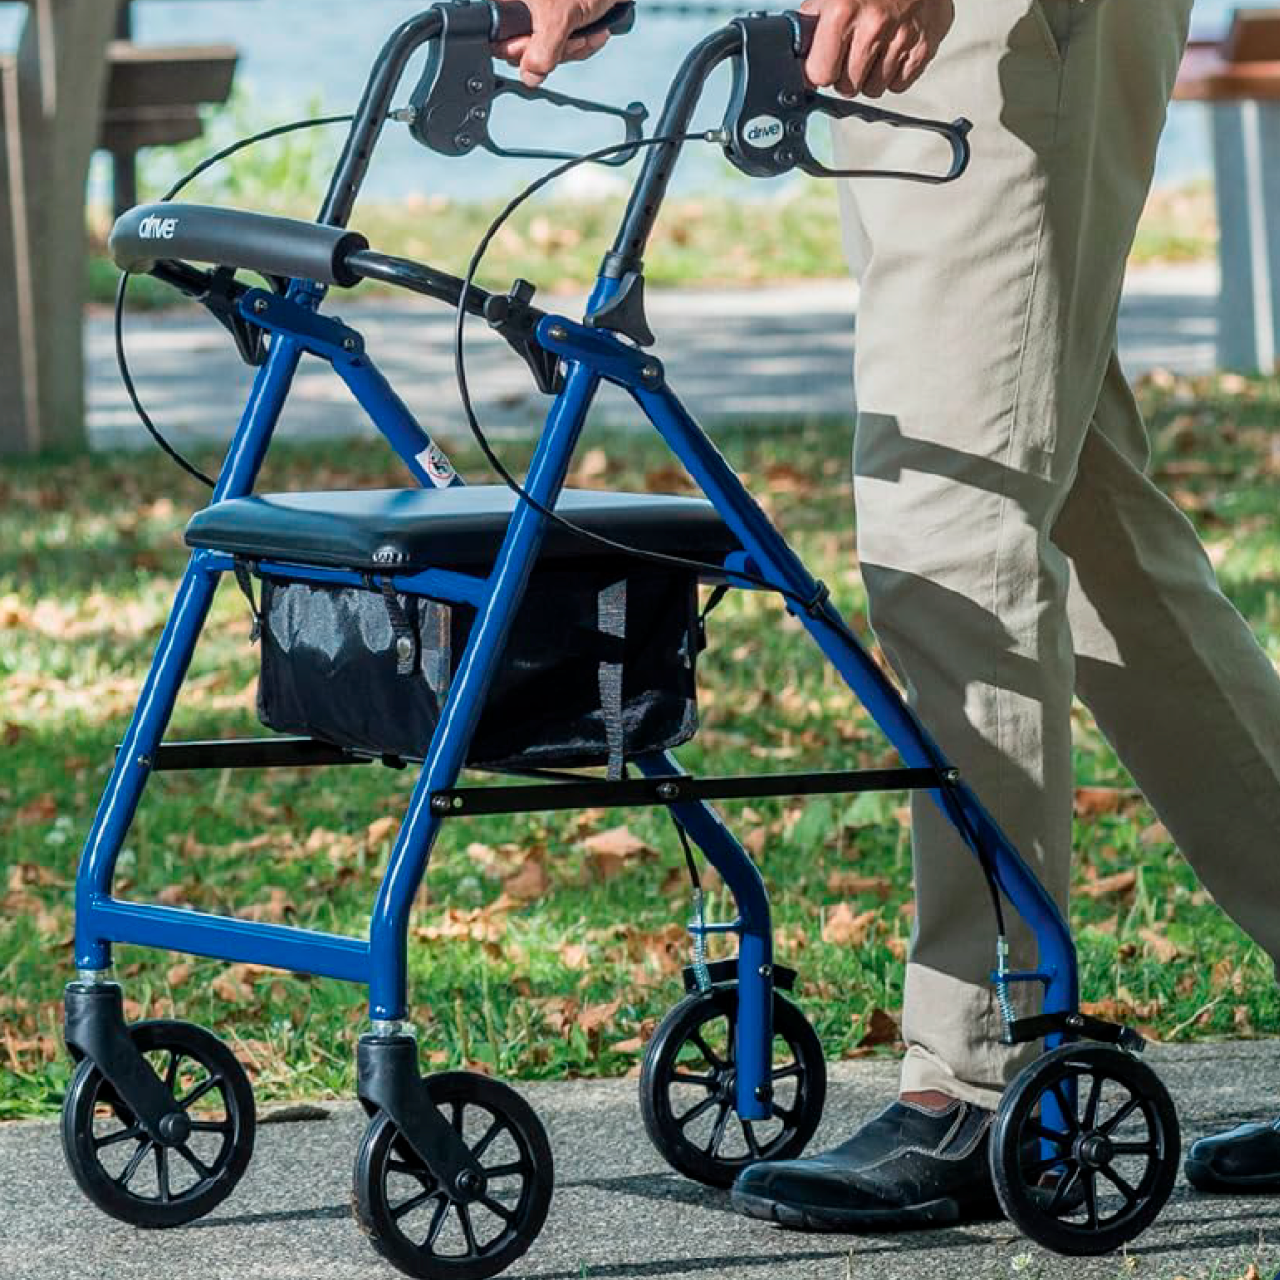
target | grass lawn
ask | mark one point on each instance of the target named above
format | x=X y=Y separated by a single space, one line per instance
x=546 y=946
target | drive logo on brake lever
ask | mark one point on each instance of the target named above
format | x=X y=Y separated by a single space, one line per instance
x=766 y=125
x=451 y=107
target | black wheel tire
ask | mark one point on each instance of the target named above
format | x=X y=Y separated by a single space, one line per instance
x=510 y=1121
x=671 y=1128
x=1068 y=1215
x=189 y=1180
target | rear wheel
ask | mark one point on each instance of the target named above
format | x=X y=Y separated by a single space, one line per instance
x=688 y=1088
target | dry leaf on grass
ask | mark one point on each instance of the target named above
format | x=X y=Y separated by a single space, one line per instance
x=531 y=882
x=882 y=1028
x=1123 y=882
x=845 y=929
x=611 y=852
x=1093 y=802
x=851 y=883
x=1158 y=945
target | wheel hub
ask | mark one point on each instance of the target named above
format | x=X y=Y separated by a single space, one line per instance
x=1094 y=1150
x=469 y=1186
x=175 y=1128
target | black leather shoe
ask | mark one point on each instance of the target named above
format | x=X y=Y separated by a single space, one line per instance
x=1243 y=1159
x=909 y=1167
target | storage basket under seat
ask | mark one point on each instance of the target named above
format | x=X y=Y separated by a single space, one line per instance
x=599 y=667
x=599 y=664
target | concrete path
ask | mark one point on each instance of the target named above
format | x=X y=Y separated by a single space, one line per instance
x=619 y=1212
x=781 y=351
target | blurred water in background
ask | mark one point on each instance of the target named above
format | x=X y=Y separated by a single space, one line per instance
x=297 y=53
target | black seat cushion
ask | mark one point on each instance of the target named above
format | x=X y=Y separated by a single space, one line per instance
x=459 y=528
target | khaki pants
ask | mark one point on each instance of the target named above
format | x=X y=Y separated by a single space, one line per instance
x=1012 y=547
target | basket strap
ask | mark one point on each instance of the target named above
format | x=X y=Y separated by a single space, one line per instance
x=244 y=581
x=406 y=642
x=612 y=620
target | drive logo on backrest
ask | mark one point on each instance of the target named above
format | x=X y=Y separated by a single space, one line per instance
x=157 y=228
x=764 y=132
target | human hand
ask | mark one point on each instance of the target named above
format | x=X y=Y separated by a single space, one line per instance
x=870 y=47
x=552 y=41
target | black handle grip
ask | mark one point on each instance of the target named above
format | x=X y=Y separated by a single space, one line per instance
x=806 y=26
x=512 y=19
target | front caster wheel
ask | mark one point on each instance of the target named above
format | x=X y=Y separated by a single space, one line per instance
x=1097 y=1184
x=427 y=1232
x=152 y=1184
x=688 y=1088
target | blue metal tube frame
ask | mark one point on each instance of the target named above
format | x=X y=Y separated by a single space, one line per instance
x=591 y=356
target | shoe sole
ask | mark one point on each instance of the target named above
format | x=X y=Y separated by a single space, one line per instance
x=931 y=1213
x=1203 y=1178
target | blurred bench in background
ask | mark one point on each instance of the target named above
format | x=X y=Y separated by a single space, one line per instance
x=74 y=84
x=1238 y=78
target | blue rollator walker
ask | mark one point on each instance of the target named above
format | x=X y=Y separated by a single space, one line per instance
x=390 y=622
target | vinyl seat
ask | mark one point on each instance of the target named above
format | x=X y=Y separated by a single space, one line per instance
x=462 y=528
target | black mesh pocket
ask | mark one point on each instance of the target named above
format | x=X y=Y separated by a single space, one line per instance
x=599 y=665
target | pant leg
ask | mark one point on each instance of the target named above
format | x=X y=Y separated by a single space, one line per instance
x=985 y=332
x=1171 y=671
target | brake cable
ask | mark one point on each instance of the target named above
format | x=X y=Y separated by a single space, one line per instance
x=122 y=288
x=813 y=608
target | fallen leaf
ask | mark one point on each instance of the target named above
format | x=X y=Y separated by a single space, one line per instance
x=1092 y=802
x=845 y=929
x=1122 y=882
x=1159 y=946
x=530 y=883
x=595 y=1017
x=882 y=1028
x=849 y=883
x=42 y=809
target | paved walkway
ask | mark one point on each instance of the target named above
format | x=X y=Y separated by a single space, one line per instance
x=619 y=1212
x=782 y=351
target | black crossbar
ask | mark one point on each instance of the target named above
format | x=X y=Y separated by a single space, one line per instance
x=641 y=793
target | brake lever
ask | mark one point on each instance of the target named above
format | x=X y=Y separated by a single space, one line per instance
x=766 y=125
x=451 y=107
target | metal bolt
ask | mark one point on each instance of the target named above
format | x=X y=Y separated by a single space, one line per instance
x=404 y=648
x=93 y=977
x=440 y=804
x=260 y=306
x=786 y=156
x=350 y=344
x=478 y=113
x=557 y=333
x=144 y=762
x=766 y=971
x=668 y=791
x=457 y=802
x=1075 y=1021
x=763 y=1093
x=464 y=142
x=475 y=85
x=951 y=775
x=651 y=372
x=795 y=127
x=391 y=1027
x=789 y=98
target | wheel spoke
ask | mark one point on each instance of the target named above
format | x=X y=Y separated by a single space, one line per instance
x=717 y=1134
x=199 y=1091
x=211 y=1126
x=698 y=1109
x=1091 y=1198
x=1041 y=1130
x=747 y=1132
x=171 y=1075
x=1067 y=1110
x=1121 y=1185
x=683 y=1077
x=1119 y=1118
x=135 y=1162
x=1065 y=1187
x=1091 y=1107
x=468 y=1231
x=786 y=1073
x=696 y=1038
x=437 y=1224
x=121 y=1135
x=487 y=1141
x=458 y=1107
x=496 y=1206
x=1135 y=1149
x=506 y=1170
x=414 y=1202
x=788 y=1117
x=1035 y=1167
x=194 y=1161
x=162 y=1174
